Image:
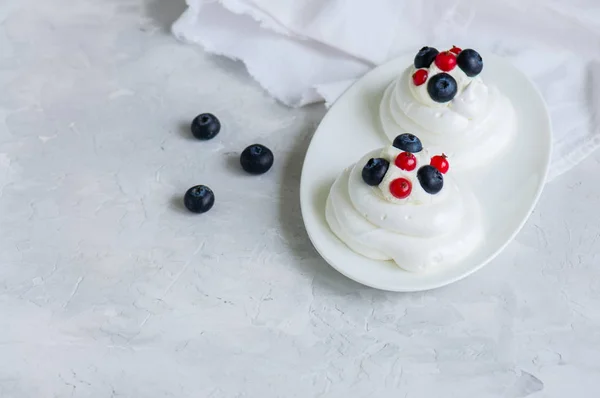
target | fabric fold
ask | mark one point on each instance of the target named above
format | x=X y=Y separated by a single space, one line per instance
x=305 y=51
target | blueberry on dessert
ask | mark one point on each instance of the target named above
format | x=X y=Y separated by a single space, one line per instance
x=256 y=159
x=431 y=179
x=374 y=171
x=199 y=199
x=425 y=57
x=470 y=62
x=408 y=142
x=206 y=126
x=442 y=87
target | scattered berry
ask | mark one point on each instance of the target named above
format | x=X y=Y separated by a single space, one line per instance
x=374 y=171
x=256 y=159
x=206 y=126
x=199 y=199
x=445 y=61
x=419 y=77
x=442 y=87
x=425 y=57
x=408 y=142
x=470 y=62
x=440 y=162
x=455 y=50
x=400 y=188
x=430 y=179
x=406 y=161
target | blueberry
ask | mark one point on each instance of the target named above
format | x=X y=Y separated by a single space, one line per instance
x=206 y=126
x=430 y=179
x=199 y=199
x=374 y=171
x=256 y=159
x=470 y=62
x=425 y=57
x=408 y=143
x=442 y=87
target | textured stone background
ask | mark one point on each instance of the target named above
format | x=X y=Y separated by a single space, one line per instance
x=108 y=288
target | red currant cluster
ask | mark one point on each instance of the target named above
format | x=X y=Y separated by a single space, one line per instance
x=402 y=187
x=445 y=61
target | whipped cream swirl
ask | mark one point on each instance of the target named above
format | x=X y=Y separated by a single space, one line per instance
x=420 y=232
x=471 y=128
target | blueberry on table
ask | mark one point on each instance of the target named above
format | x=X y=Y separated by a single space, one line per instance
x=374 y=171
x=430 y=179
x=206 y=126
x=470 y=62
x=425 y=57
x=408 y=142
x=442 y=87
x=199 y=199
x=256 y=159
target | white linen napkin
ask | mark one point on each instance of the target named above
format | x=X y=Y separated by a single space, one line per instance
x=303 y=51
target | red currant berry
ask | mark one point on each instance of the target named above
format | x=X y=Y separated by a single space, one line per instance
x=455 y=50
x=419 y=77
x=446 y=61
x=440 y=162
x=406 y=161
x=400 y=188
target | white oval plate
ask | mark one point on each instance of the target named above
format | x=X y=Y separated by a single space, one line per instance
x=508 y=188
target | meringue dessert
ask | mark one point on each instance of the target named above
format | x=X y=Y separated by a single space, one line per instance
x=401 y=203
x=443 y=100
